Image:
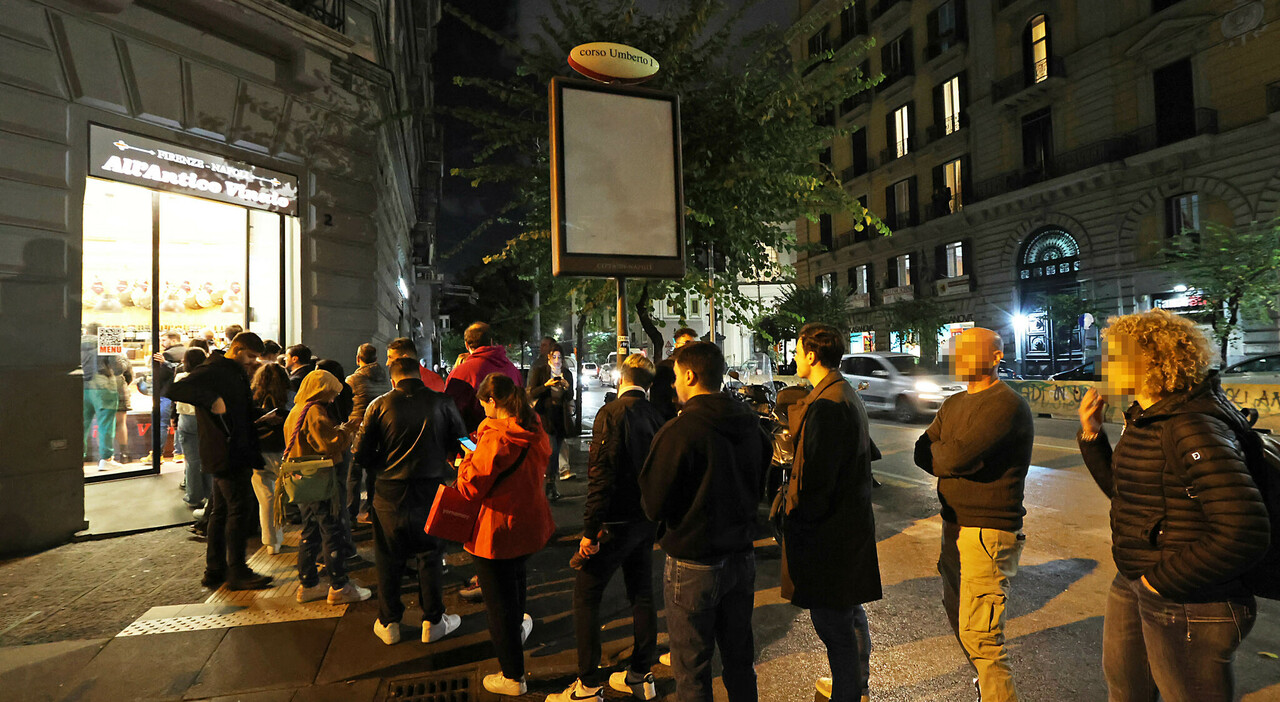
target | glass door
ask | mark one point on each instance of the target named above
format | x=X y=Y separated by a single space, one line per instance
x=204 y=259
x=116 y=338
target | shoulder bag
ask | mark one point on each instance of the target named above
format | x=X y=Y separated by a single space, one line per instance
x=453 y=517
x=306 y=478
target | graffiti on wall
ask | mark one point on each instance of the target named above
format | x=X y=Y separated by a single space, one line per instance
x=1062 y=399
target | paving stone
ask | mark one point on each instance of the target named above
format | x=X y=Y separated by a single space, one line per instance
x=38 y=672
x=162 y=666
x=350 y=691
x=264 y=657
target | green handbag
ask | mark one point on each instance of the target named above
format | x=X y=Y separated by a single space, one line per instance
x=306 y=478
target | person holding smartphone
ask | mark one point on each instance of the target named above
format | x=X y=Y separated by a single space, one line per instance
x=409 y=436
x=551 y=391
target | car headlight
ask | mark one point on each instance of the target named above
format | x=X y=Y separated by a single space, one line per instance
x=616 y=375
x=927 y=386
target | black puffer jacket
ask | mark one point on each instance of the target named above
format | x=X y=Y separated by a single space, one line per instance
x=1184 y=510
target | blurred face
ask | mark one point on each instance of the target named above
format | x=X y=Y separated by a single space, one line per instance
x=393 y=355
x=681 y=341
x=804 y=360
x=555 y=358
x=1123 y=367
x=977 y=354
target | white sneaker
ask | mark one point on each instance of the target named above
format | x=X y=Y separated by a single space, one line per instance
x=109 y=464
x=198 y=514
x=389 y=634
x=526 y=628
x=349 y=593
x=500 y=684
x=665 y=659
x=447 y=624
x=313 y=593
x=644 y=688
x=578 y=692
x=566 y=475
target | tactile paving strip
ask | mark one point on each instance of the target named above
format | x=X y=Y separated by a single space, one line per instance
x=247 y=616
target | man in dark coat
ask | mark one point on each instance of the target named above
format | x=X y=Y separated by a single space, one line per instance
x=225 y=414
x=663 y=392
x=830 y=566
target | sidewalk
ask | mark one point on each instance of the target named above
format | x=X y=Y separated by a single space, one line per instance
x=265 y=647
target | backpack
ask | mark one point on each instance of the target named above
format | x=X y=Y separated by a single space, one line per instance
x=1261 y=451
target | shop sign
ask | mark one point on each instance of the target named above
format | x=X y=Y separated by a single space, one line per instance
x=951 y=286
x=858 y=301
x=130 y=158
x=898 y=294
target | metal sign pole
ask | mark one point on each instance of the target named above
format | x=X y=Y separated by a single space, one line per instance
x=624 y=343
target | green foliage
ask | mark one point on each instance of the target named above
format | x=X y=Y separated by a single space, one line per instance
x=750 y=140
x=800 y=306
x=919 y=322
x=600 y=345
x=1064 y=310
x=1233 y=269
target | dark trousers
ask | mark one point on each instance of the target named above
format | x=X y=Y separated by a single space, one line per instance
x=503 y=582
x=710 y=605
x=848 y=640
x=1153 y=646
x=229 y=507
x=630 y=547
x=397 y=536
x=360 y=479
x=322 y=537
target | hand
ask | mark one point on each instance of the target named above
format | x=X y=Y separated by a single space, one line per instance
x=159 y=358
x=587 y=548
x=1091 y=408
x=218 y=406
x=551 y=383
x=1148 y=585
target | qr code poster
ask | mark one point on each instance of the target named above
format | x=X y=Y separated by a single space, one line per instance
x=110 y=340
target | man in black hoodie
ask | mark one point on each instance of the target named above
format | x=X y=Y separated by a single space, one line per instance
x=702 y=482
x=225 y=414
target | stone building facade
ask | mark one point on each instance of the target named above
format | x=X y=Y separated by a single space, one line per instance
x=1020 y=149
x=329 y=100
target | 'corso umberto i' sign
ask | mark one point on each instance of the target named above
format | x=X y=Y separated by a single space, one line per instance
x=130 y=158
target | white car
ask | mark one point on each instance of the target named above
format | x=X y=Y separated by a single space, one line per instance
x=590 y=370
x=898 y=383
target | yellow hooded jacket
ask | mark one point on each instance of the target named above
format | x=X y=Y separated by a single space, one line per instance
x=320 y=435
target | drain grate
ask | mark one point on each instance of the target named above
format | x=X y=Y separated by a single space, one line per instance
x=434 y=688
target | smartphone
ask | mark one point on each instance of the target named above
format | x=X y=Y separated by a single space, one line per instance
x=467 y=443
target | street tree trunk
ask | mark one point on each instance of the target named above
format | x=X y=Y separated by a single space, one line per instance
x=644 y=310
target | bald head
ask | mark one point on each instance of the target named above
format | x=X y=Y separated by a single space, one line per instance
x=978 y=353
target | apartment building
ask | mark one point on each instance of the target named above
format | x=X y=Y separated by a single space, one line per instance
x=1024 y=148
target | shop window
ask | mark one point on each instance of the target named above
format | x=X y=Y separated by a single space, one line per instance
x=1182 y=215
x=1036 y=50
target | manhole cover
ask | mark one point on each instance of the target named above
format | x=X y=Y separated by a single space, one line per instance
x=434 y=688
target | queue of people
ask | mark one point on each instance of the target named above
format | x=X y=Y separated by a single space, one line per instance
x=1188 y=520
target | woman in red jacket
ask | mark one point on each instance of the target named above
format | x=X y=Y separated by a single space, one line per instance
x=506 y=474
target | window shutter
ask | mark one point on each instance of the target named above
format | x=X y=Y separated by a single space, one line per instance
x=890 y=208
x=871 y=281
x=964 y=99
x=912 y=142
x=913 y=201
x=915 y=272
x=939 y=115
x=892 y=280
x=908 y=55
x=939 y=261
x=932 y=24
x=937 y=203
x=966 y=180
x=890 y=134
x=1028 y=64
x=962 y=20
x=969 y=258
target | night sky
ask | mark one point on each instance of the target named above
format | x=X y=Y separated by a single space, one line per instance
x=461 y=51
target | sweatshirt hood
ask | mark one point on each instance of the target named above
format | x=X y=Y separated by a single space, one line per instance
x=509 y=430
x=489 y=354
x=1205 y=397
x=723 y=415
x=318 y=385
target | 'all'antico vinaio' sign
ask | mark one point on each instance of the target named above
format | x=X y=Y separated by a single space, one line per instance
x=139 y=160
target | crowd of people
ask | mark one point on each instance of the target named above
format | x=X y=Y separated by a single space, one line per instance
x=676 y=462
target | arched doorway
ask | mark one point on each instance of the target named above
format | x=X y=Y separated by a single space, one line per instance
x=1047 y=265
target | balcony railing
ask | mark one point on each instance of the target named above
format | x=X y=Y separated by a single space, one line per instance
x=950 y=125
x=897 y=150
x=940 y=45
x=1051 y=67
x=884 y=6
x=330 y=13
x=1095 y=154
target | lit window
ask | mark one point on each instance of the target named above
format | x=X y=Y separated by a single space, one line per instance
x=1183 y=214
x=1040 y=47
x=951 y=105
x=955 y=259
x=902 y=130
x=952 y=180
x=903 y=264
x=861 y=282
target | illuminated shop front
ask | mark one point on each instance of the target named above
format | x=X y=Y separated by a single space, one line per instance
x=174 y=240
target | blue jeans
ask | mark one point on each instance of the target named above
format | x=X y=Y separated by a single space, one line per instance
x=166 y=411
x=1181 y=652
x=198 y=484
x=322 y=535
x=848 y=640
x=710 y=605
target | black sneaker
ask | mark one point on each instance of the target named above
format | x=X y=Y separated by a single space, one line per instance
x=213 y=580
x=249 y=580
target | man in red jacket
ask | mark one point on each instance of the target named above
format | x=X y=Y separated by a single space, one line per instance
x=485 y=357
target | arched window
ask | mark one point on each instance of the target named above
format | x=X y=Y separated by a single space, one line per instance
x=1049 y=253
x=1035 y=50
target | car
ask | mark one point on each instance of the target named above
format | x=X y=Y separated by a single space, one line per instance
x=608 y=375
x=1007 y=372
x=1084 y=371
x=899 y=383
x=1265 y=367
x=590 y=370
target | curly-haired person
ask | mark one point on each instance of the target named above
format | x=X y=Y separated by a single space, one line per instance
x=1186 y=517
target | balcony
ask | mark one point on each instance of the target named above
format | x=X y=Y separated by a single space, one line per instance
x=330 y=13
x=1042 y=76
x=897 y=151
x=1098 y=153
x=949 y=127
x=941 y=45
x=889 y=7
x=853 y=172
